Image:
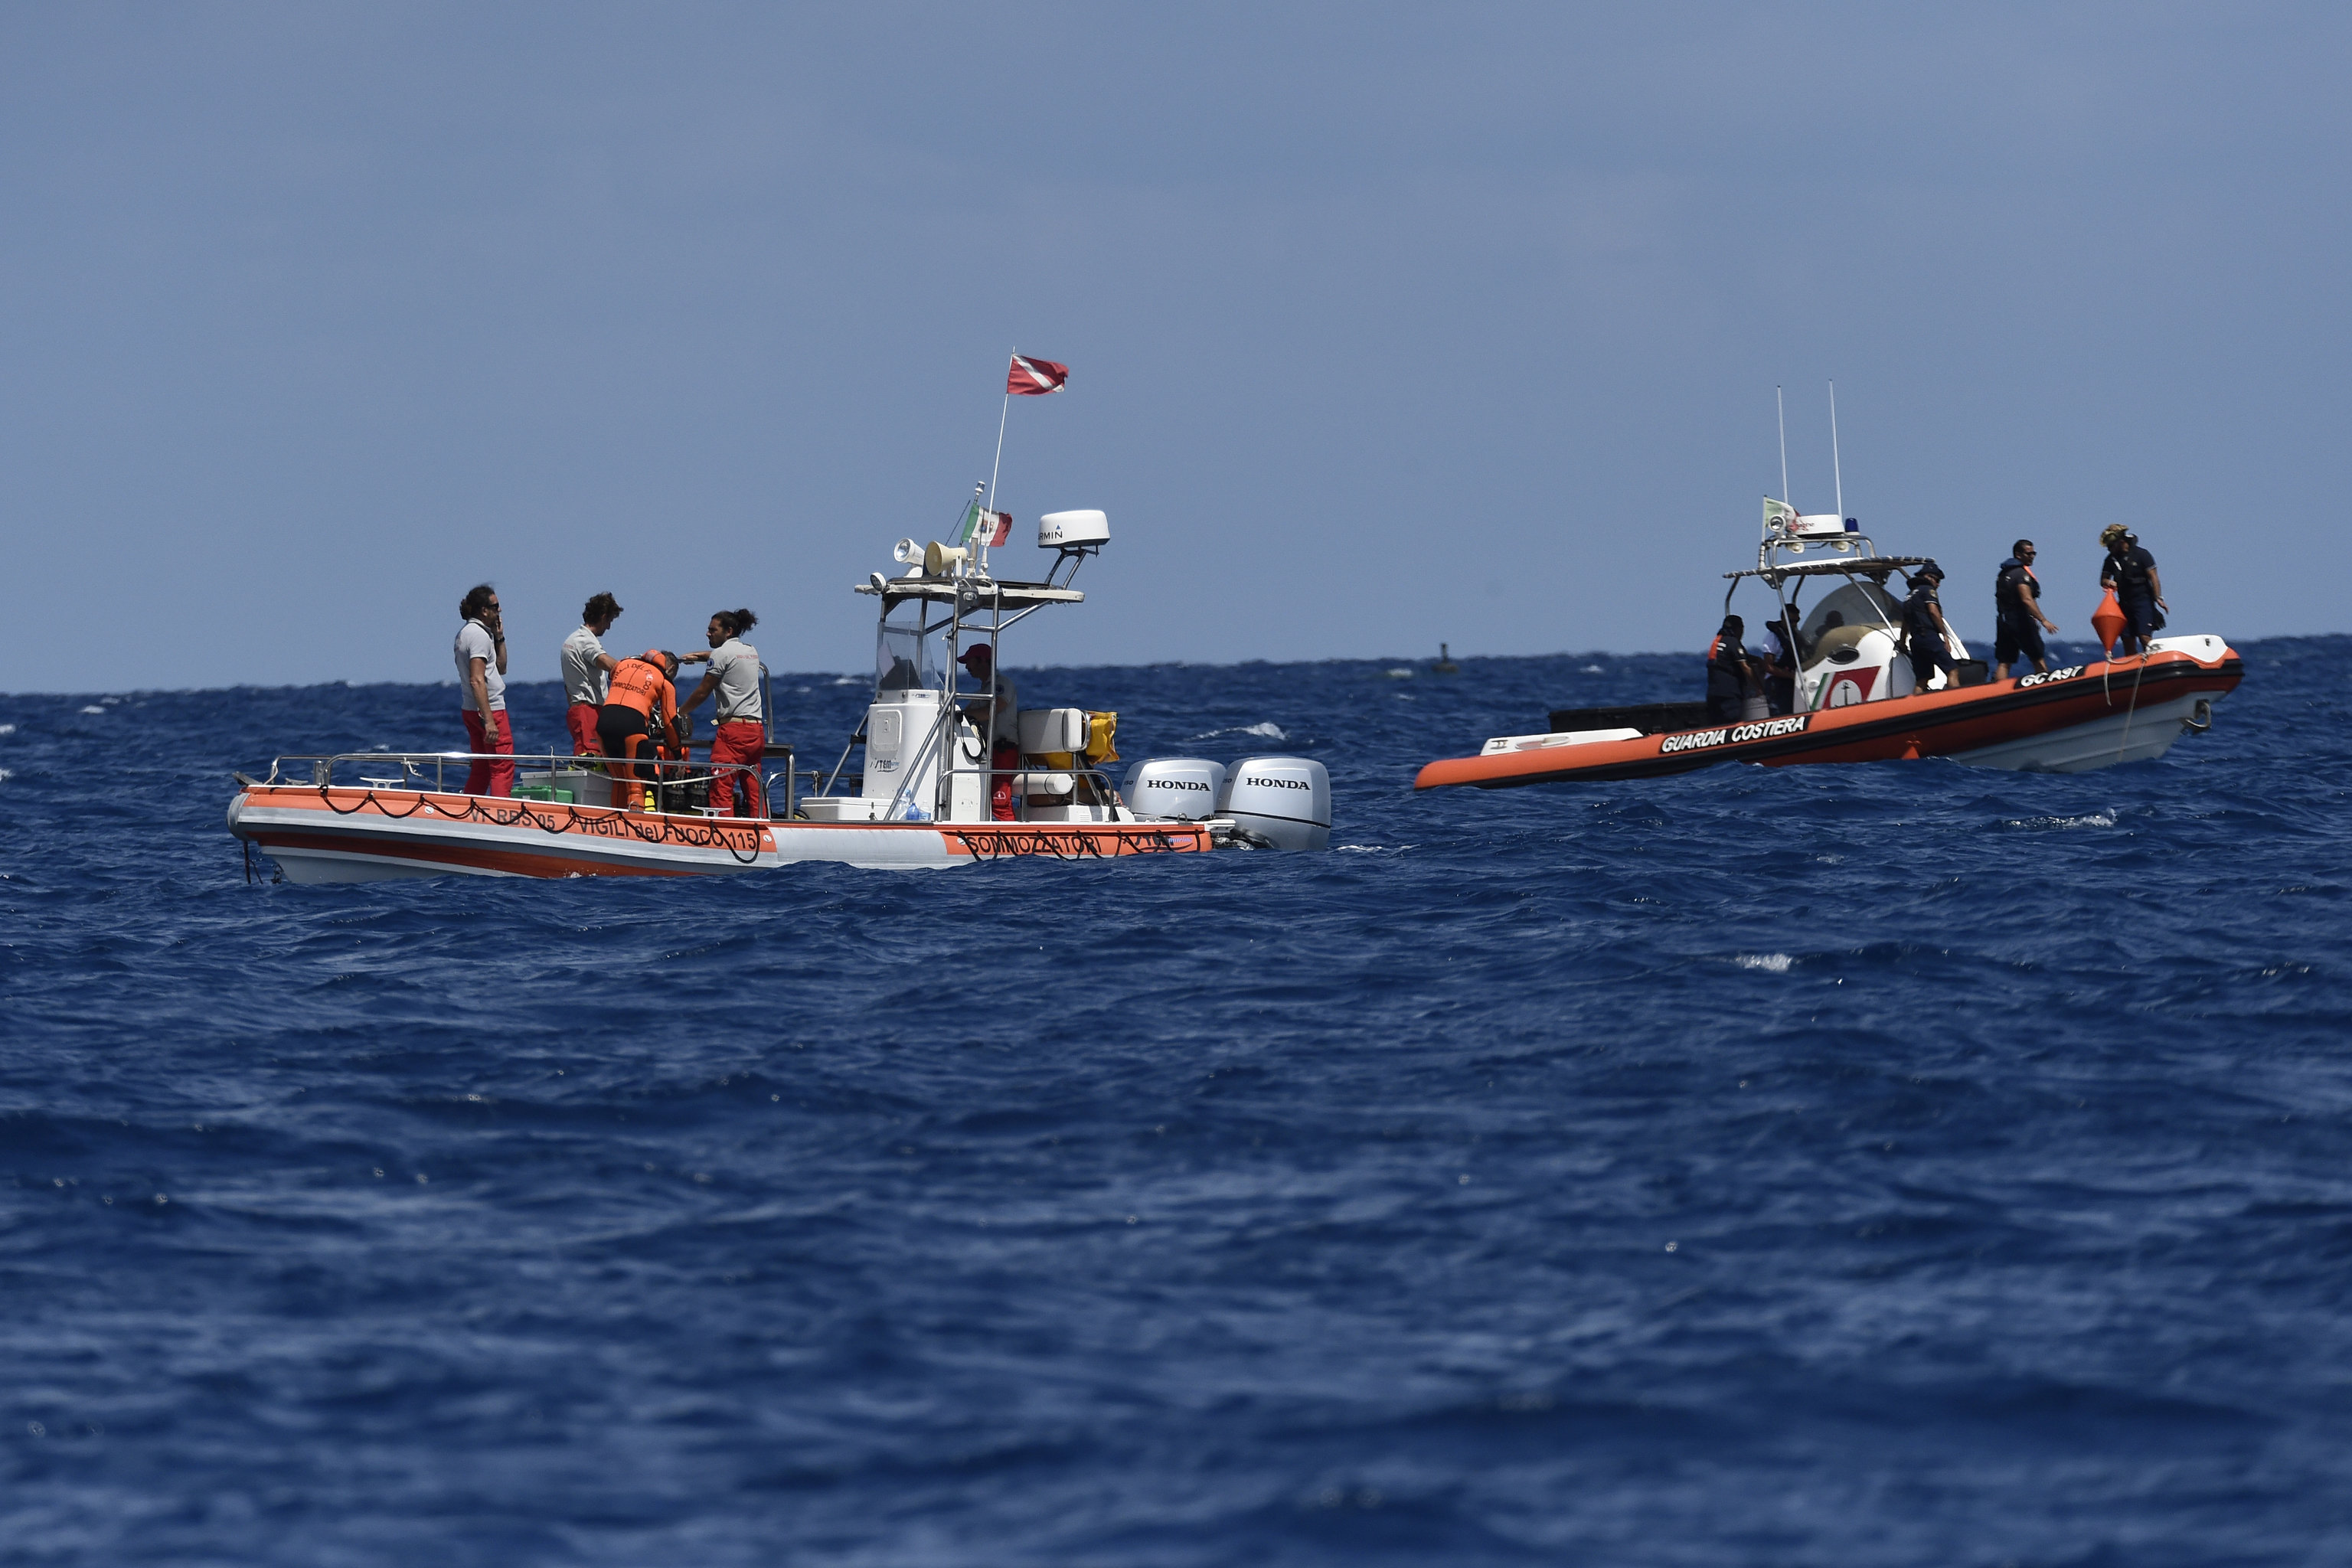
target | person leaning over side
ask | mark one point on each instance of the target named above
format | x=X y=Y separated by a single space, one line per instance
x=587 y=669
x=640 y=696
x=2017 y=607
x=482 y=681
x=2131 y=572
x=740 y=735
x=1924 y=631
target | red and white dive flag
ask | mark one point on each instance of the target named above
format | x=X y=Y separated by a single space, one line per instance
x=1034 y=377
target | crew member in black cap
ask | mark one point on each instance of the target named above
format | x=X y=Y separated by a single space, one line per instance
x=2131 y=572
x=2017 y=602
x=1731 y=675
x=1923 y=626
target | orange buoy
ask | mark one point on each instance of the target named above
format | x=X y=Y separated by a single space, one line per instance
x=2108 y=621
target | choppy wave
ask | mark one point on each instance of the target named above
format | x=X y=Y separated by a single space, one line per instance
x=1803 y=1164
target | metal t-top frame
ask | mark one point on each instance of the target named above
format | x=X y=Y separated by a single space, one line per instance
x=967 y=598
x=1864 y=561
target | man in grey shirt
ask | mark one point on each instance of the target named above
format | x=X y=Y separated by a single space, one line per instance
x=482 y=679
x=740 y=740
x=587 y=672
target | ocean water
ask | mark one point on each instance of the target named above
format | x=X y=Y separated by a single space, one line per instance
x=1889 y=1165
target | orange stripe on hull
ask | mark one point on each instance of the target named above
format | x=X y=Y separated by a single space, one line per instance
x=1933 y=724
x=653 y=830
x=1071 y=840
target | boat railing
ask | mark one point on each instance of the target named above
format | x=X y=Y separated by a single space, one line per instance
x=1085 y=779
x=429 y=772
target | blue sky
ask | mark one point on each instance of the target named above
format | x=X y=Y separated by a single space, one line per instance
x=1388 y=325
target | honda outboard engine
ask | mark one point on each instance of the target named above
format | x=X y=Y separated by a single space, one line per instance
x=1185 y=788
x=1285 y=801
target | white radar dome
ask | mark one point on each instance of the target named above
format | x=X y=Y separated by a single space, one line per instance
x=1057 y=529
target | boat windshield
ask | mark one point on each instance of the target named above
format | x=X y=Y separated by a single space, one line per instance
x=1857 y=604
x=902 y=654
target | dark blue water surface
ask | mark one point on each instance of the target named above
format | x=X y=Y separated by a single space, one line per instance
x=1901 y=1163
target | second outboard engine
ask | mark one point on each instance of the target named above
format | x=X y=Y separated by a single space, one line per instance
x=1285 y=801
x=1185 y=788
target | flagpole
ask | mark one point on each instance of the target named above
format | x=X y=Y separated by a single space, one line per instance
x=1000 y=440
x=999 y=463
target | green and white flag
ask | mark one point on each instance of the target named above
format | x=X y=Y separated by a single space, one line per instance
x=982 y=526
x=1778 y=516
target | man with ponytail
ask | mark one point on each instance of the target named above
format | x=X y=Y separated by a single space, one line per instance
x=740 y=736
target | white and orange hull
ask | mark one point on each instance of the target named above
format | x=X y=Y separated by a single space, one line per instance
x=2073 y=720
x=360 y=834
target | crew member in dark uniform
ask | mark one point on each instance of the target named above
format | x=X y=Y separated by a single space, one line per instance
x=1923 y=627
x=1781 y=663
x=2130 y=570
x=1730 y=677
x=2017 y=606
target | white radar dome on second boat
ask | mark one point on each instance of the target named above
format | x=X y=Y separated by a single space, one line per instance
x=1284 y=800
x=1184 y=788
x=1057 y=530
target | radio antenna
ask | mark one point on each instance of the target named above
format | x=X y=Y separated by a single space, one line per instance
x=1780 y=408
x=1833 y=454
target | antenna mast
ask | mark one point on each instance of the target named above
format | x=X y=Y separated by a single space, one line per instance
x=1833 y=454
x=1780 y=408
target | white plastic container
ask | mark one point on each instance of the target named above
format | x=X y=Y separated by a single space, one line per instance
x=1182 y=788
x=1043 y=730
x=587 y=787
x=1284 y=800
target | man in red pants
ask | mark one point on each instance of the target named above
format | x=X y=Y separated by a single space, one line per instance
x=482 y=677
x=999 y=707
x=740 y=736
x=587 y=669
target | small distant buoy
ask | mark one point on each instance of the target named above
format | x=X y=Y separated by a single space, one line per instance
x=1445 y=665
x=2108 y=622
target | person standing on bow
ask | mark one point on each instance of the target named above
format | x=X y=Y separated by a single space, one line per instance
x=2017 y=607
x=2130 y=570
x=482 y=681
x=1924 y=631
x=740 y=740
x=641 y=695
x=587 y=669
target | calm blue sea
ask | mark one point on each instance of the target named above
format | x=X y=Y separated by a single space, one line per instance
x=1887 y=1164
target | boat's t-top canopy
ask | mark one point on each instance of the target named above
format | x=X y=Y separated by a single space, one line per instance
x=1874 y=567
x=1799 y=547
x=956 y=576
